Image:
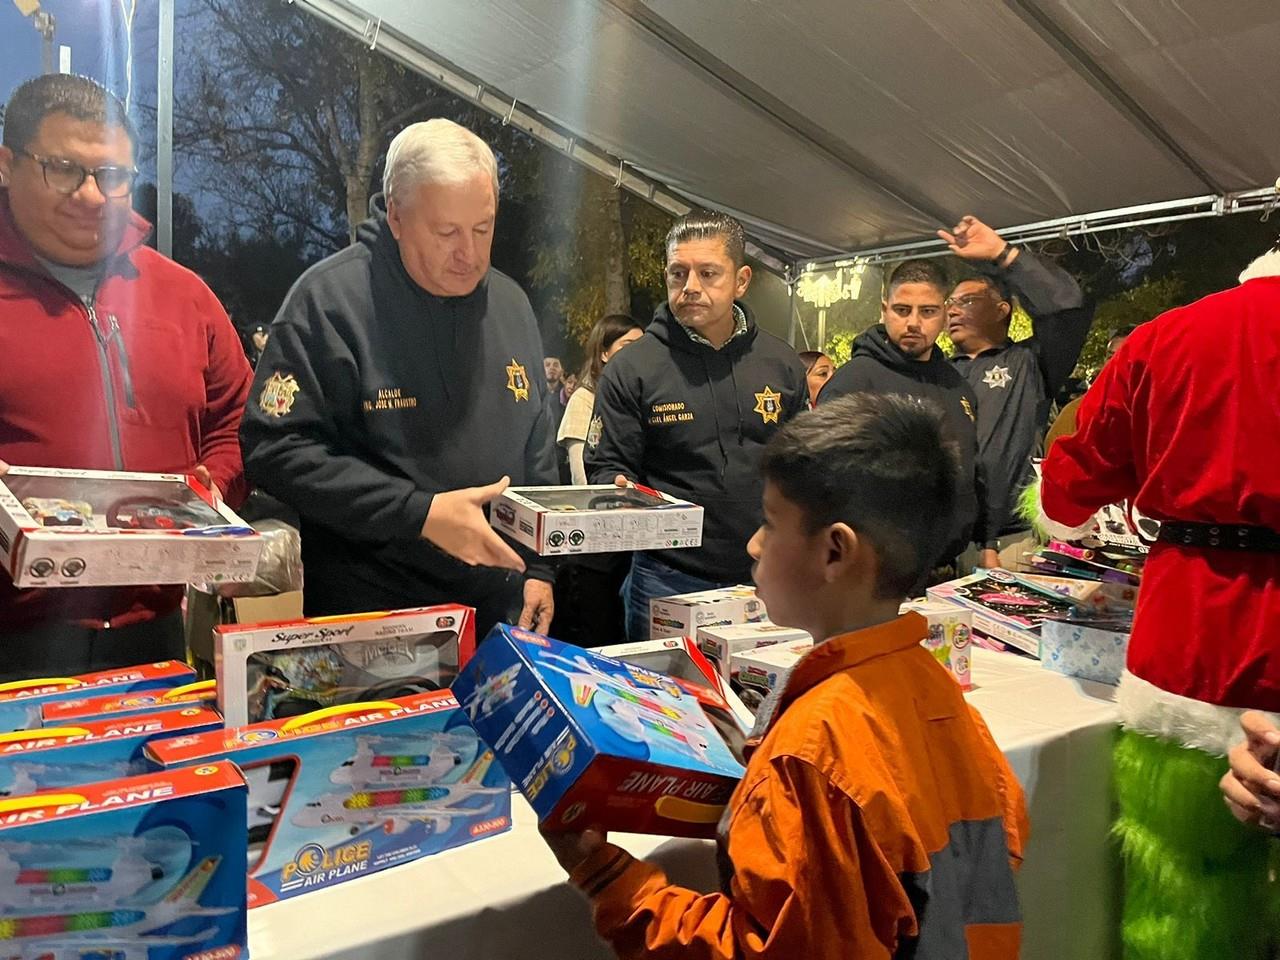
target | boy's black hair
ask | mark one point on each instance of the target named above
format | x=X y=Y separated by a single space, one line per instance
x=881 y=464
x=78 y=97
x=707 y=225
x=917 y=271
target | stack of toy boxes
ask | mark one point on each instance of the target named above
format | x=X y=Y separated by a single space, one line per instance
x=147 y=867
x=764 y=669
x=950 y=637
x=684 y=614
x=353 y=789
x=719 y=643
x=590 y=740
x=120 y=705
x=21 y=701
x=1004 y=607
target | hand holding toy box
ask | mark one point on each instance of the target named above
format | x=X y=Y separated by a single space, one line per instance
x=605 y=518
x=22 y=700
x=593 y=742
x=354 y=789
x=145 y=868
x=765 y=669
x=271 y=670
x=53 y=757
x=96 y=528
x=117 y=706
x=719 y=643
x=950 y=637
x=684 y=614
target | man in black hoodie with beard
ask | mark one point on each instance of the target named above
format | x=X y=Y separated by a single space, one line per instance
x=900 y=355
x=400 y=390
x=688 y=408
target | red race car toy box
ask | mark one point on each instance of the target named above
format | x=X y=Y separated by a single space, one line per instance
x=22 y=700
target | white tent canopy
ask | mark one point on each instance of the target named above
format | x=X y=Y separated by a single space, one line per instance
x=833 y=127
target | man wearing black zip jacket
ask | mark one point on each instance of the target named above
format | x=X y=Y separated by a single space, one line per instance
x=688 y=408
x=402 y=379
x=899 y=355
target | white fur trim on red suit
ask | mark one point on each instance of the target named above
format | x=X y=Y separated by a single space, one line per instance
x=1267 y=265
x=1145 y=708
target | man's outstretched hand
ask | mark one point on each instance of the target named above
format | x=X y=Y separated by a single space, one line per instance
x=974 y=240
x=456 y=524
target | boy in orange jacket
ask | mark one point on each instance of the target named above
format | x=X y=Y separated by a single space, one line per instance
x=877 y=818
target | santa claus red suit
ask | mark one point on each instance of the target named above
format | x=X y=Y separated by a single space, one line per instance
x=1184 y=422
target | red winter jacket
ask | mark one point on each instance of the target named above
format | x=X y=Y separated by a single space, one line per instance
x=159 y=387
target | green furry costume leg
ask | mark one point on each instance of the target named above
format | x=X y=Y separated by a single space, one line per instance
x=1196 y=881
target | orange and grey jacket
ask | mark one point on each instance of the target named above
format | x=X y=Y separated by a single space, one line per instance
x=877 y=819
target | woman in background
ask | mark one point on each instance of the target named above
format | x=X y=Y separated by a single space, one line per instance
x=610 y=334
x=818 y=367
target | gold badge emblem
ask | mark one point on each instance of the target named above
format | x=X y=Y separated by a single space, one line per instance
x=768 y=405
x=968 y=410
x=594 y=432
x=278 y=395
x=517 y=381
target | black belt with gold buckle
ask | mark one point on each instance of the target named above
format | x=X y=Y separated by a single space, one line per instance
x=1222 y=536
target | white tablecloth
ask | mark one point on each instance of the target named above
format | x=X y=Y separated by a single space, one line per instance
x=506 y=897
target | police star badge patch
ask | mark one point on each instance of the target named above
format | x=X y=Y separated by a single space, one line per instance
x=517 y=381
x=768 y=405
x=278 y=394
x=998 y=378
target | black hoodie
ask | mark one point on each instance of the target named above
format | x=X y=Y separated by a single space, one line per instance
x=878 y=366
x=692 y=421
x=371 y=397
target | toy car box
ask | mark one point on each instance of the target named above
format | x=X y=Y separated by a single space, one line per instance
x=680 y=659
x=596 y=519
x=118 y=706
x=271 y=670
x=592 y=741
x=1091 y=650
x=1004 y=607
x=53 y=757
x=354 y=789
x=764 y=669
x=950 y=637
x=96 y=528
x=684 y=614
x=144 y=868
x=22 y=700
x=720 y=642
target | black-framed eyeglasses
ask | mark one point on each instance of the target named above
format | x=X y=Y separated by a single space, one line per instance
x=67 y=176
x=966 y=303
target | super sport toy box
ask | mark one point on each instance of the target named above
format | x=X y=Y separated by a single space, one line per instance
x=764 y=669
x=684 y=614
x=592 y=741
x=596 y=519
x=21 y=701
x=117 y=706
x=950 y=637
x=1004 y=607
x=53 y=757
x=271 y=670
x=96 y=528
x=720 y=642
x=144 y=868
x=354 y=789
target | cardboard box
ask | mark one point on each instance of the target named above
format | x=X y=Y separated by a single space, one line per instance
x=96 y=528
x=590 y=740
x=206 y=612
x=950 y=637
x=680 y=659
x=271 y=670
x=684 y=614
x=355 y=789
x=595 y=519
x=719 y=643
x=764 y=669
x=1100 y=594
x=22 y=700
x=33 y=760
x=1004 y=607
x=116 y=706
x=1091 y=652
x=144 y=868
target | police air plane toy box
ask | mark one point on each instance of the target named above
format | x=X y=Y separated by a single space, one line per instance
x=95 y=528
x=144 y=868
x=1004 y=607
x=21 y=701
x=684 y=614
x=117 y=706
x=596 y=519
x=272 y=670
x=53 y=757
x=720 y=642
x=592 y=741
x=354 y=789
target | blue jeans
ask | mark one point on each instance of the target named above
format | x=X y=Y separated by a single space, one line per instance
x=650 y=578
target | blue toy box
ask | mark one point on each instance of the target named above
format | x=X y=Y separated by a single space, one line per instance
x=595 y=742
x=117 y=706
x=145 y=868
x=354 y=788
x=21 y=700
x=54 y=757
